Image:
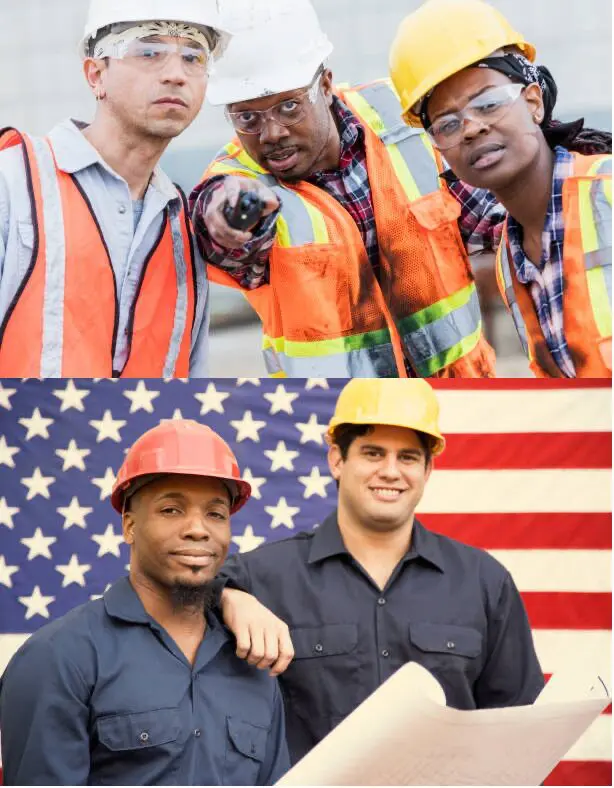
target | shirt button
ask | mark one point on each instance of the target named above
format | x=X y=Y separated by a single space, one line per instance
x=450 y=644
x=197 y=732
x=121 y=208
x=144 y=736
x=381 y=601
x=385 y=652
x=319 y=648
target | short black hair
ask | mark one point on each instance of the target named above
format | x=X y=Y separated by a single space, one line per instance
x=345 y=434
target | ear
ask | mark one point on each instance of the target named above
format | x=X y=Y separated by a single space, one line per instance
x=128 y=525
x=326 y=83
x=335 y=461
x=535 y=102
x=428 y=471
x=94 y=70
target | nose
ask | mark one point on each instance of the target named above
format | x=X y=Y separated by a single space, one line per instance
x=173 y=70
x=272 y=131
x=389 y=469
x=196 y=527
x=472 y=128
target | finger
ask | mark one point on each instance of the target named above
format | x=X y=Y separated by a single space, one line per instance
x=226 y=236
x=232 y=188
x=256 y=652
x=286 y=653
x=271 y=650
x=270 y=201
x=244 y=643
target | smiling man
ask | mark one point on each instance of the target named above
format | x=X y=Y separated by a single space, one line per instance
x=371 y=588
x=98 y=272
x=143 y=687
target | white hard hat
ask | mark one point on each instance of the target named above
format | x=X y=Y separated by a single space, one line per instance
x=278 y=45
x=200 y=13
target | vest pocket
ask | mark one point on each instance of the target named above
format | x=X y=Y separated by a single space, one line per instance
x=312 y=287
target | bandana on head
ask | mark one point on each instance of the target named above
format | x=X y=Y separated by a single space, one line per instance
x=115 y=45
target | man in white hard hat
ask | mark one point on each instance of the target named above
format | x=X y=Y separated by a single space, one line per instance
x=355 y=256
x=98 y=272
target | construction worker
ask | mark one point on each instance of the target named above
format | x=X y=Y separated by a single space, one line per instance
x=371 y=588
x=355 y=256
x=98 y=274
x=469 y=78
x=142 y=686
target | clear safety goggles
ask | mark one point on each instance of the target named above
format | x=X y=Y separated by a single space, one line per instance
x=286 y=113
x=154 y=55
x=487 y=108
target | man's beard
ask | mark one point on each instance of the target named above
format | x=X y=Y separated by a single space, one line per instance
x=187 y=597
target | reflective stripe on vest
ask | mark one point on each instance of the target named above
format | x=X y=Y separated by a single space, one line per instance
x=181 y=305
x=503 y=264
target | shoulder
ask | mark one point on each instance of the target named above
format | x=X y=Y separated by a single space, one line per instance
x=474 y=560
x=270 y=555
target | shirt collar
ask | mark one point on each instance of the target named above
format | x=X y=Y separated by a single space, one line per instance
x=73 y=153
x=328 y=542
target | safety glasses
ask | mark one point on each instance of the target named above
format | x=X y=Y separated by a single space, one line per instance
x=154 y=55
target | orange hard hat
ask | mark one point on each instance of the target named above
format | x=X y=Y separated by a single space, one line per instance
x=180 y=446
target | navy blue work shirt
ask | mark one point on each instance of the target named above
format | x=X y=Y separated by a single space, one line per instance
x=450 y=607
x=104 y=696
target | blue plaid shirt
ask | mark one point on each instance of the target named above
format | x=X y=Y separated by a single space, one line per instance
x=545 y=281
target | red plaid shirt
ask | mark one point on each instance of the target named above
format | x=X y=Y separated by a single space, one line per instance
x=480 y=221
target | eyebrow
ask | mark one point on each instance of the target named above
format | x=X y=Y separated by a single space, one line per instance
x=177 y=496
x=416 y=451
x=470 y=98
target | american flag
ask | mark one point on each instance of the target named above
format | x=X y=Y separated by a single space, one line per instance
x=525 y=475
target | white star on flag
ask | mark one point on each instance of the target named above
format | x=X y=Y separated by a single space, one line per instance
x=253 y=381
x=141 y=398
x=108 y=427
x=282 y=513
x=6 y=513
x=38 y=544
x=256 y=482
x=313 y=383
x=37 y=484
x=211 y=400
x=7 y=452
x=312 y=430
x=281 y=457
x=248 y=540
x=73 y=456
x=71 y=397
x=247 y=428
x=105 y=483
x=6 y=572
x=108 y=542
x=73 y=571
x=315 y=483
x=37 y=425
x=36 y=603
x=74 y=514
x=281 y=400
x=5 y=397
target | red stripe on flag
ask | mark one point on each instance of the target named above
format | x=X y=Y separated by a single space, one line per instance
x=559 y=610
x=562 y=530
x=526 y=450
x=515 y=384
x=581 y=773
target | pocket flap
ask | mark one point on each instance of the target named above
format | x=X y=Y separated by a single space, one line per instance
x=435 y=209
x=26 y=234
x=249 y=739
x=446 y=639
x=140 y=730
x=324 y=641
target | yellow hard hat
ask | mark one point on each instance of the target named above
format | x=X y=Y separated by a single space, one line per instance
x=441 y=38
x=393 y=401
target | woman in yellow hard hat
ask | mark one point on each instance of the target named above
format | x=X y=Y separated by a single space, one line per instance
x=468 y=77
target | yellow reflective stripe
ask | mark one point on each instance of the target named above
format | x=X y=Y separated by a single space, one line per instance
x=607 y=190
x=327 y=347
x=366 y=112
x=283 y=232
x=447 y=357
x=246 y=160
x=320 y=230
x=590 y=241
x=221 y=168
x=403 y=173
x=232 y=148
x=429 y=146
x=600 y=300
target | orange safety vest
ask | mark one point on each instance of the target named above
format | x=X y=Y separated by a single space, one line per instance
x=587 y=273
x=324 y=312
x=75 y=336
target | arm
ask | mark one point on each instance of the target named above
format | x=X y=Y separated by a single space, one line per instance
x=512 y=675
x=44 y=719
x=242 y=255
x=277 y=760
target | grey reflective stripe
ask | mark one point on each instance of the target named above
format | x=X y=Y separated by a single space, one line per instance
x=55 y=262
x=373 y=362
x=605 y=168
x=602 y=217
x=510 y=296
x=293 y=210
x=420 y=163
x=384 y=101
x=181 y=304
x=435 y=338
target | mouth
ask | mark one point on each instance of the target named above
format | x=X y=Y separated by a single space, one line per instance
x=197 y=558
x=386 y=493
x=171 y=101
x=282 y=159
x=486 y=156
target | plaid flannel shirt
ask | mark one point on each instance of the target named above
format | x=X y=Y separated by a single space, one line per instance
x=545 y=281
x=480 y=222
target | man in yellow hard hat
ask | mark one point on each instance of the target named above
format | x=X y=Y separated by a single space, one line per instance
x=371 y=588
x=143 y=687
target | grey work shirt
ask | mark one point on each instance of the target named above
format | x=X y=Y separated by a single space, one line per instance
x=450 y=607
x=111 y=202
x=103 y=696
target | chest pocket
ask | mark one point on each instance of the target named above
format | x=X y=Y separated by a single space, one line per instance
x=245 y=752
x=322 y=679
x=449 y=651
x=141 y=731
